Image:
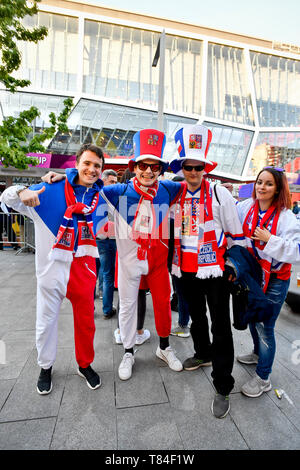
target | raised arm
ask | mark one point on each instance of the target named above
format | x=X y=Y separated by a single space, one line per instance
x=22 y=199
x=30 y=197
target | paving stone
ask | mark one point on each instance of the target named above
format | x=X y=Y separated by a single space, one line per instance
x=25 y=403
x=103 y=344
x=148 y=428
x=262 y=424
x=191 y=395
x=289 y=355
x=145 y=387
x=289 y=324
x=289 y=405
x=87 y=418
x=27 y=435
x=5 y=389
x=17 y=354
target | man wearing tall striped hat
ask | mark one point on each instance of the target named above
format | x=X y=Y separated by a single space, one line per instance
x=206 y=223
x=141 y=210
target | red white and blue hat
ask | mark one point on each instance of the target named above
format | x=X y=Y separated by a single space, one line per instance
x=148 y=143
x=192 y=143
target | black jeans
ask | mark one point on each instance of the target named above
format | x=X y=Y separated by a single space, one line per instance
x=215 y=292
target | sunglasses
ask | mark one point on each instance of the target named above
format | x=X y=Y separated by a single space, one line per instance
x=153 y=166
x=273 y=168
x=191 y=168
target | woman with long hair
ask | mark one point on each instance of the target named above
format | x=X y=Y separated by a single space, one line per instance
x=272 y=233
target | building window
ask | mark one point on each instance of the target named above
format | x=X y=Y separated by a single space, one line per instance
x=229 y=147
x=279 y=149
x=51 y=64
x=112 y=128
x=118 y=64
x=277 y=85
x=13 y=104
x=228 y=94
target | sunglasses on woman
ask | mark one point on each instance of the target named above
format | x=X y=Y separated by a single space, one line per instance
x=191 y=167
x=153 y=166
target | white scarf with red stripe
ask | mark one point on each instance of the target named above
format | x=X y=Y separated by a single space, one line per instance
x=256 y=247
x=63 y=247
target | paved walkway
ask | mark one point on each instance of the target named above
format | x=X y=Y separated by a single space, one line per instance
x=156 y=410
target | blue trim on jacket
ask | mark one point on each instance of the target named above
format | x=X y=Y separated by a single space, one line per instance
x=53 y=202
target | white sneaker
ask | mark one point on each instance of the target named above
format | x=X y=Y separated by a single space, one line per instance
x=117 y=336
x=140 y=339
x=169 y=357
x=125 y=368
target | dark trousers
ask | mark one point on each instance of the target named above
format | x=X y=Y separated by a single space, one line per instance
x=215 y=292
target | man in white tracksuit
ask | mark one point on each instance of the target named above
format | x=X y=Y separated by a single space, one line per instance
x=64 y=215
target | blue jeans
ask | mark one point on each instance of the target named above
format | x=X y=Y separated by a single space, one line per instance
x=107 y=254
x=263 y=333
x=183 y=310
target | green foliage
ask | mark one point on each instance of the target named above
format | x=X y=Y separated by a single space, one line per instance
x=16 y=139
x=11 y=31
x=14 y=133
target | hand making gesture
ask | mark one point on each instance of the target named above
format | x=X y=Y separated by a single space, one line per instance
x=30 y=197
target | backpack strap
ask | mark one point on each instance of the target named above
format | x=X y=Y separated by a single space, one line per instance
x=216 y=194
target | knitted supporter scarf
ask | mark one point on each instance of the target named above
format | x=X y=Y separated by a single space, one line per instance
x=269 y=221
x=209 y=256
x=143 y=227
x=63 y=247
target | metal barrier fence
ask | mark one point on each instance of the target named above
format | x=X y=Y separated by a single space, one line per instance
x=16 y=231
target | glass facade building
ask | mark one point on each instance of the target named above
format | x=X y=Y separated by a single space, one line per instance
x=246 y=92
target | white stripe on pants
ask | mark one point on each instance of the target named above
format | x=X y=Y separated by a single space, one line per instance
x=130 y=271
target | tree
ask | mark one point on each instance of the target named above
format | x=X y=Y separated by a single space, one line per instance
x=15 y=141
x=15 y=132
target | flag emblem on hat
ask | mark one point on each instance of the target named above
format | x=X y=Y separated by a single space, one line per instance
x=152 y=139
x=148 y=143
x=195 y=141
x=179 y=146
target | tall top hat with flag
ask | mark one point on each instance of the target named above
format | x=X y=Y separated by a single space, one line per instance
x=148 y=143
x=192 y=143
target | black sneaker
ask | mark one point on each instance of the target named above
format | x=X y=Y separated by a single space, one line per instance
x=92 y=378
x=110 y=314
x=44 y=385
x=192 y=363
